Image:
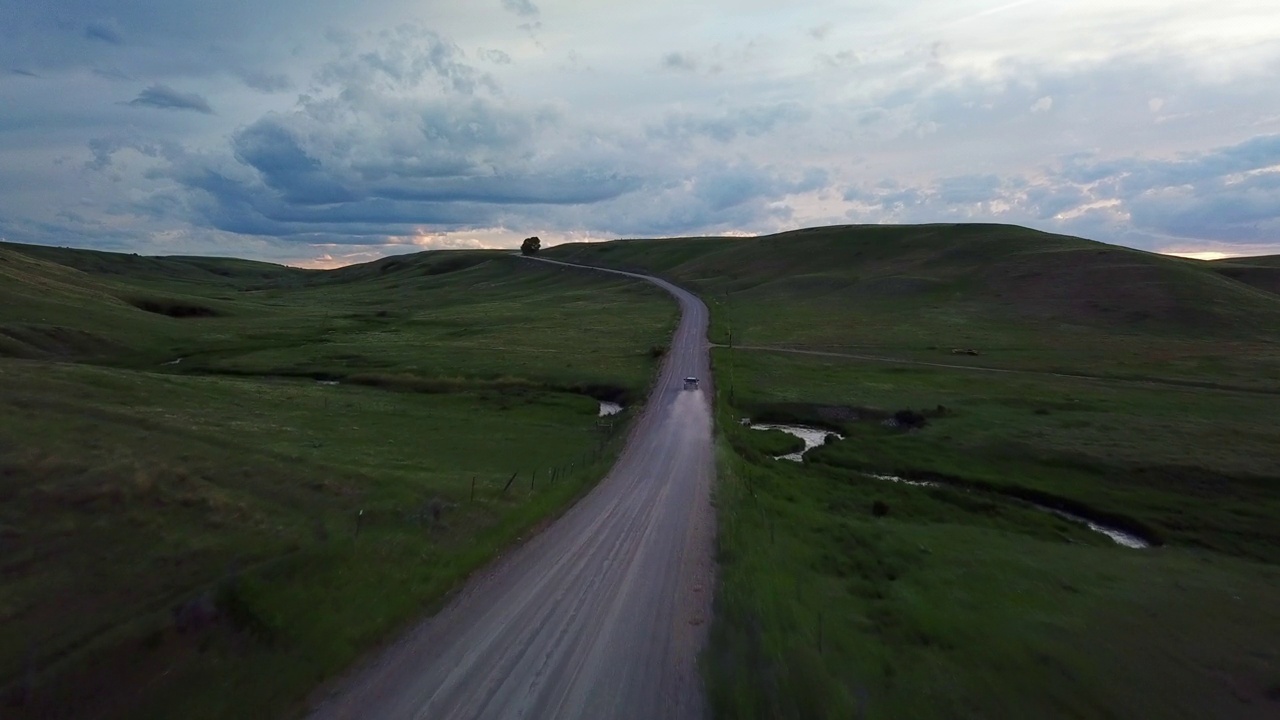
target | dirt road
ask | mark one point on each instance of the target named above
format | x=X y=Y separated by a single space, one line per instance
x=602 y=614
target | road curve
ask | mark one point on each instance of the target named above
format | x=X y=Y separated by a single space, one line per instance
x=602 y=614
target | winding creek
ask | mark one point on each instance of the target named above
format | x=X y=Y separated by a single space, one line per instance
x=814 y=437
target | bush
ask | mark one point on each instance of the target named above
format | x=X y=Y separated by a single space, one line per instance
x=173 y=308
x=909 y=419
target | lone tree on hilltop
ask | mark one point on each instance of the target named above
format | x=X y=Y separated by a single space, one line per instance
x=531 y=246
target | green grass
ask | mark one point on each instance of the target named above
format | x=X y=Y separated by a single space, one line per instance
x=951 y=608
x=963 y=603
x=772 y=443
x=843 y=595
x=1023 y=299
x=130 y=486
x=840 y=595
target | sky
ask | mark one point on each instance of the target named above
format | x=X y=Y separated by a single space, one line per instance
x=321 y=133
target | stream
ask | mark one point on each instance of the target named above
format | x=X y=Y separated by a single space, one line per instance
x=813 y=437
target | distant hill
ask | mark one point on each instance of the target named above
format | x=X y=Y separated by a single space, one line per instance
x=1261 y=272
x=88 y=304
x=946 y=279
x=124 y=309
x=909 y=290
x=174 y=268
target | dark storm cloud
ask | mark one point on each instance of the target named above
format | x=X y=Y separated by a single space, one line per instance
x=166 y=98
x=372 y=164
x=285 y=166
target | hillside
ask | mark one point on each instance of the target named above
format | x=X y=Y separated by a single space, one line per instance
x=1261 y=272
x=1019 y=297
x=392 y=316
x=1130 y=388
x=166 y=454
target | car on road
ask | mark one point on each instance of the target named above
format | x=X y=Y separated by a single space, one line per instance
x=691 y=383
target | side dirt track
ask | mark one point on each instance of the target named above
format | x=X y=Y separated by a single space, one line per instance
x=602 y=614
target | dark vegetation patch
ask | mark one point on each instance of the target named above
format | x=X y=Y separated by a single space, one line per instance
x=836 y=418
x=173 y=308
x=828 y=417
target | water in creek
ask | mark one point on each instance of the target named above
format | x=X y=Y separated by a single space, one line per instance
x=813 y=437
x=1119 y=537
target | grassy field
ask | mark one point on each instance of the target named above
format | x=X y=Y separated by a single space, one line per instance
x=170 y=447
x=844 y=595
x=213 y=537
x=1022 y=299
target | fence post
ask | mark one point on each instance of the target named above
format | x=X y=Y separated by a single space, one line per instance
x=359 y=521
x=473 y=488
x=508 y=485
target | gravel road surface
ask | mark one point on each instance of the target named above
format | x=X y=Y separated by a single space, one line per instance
x=600 y=615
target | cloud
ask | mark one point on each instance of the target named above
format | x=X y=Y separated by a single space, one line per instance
x=404 y=60
x=286 y=167
x=679 y=61
x=355 y=167
x=496 y=57
x=820 y=32
x=355 y=124
x=165 y=97
x=265 y=81
x=751 y=121
x=104 y=150
x=967 y=189
x=1230 y=193
x=106 y=32
x=523 y=8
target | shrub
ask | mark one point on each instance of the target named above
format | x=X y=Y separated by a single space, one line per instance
x=909 y=419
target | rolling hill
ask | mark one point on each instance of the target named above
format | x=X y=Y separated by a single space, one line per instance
x=1019 y=297
x=1261 y=272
